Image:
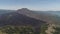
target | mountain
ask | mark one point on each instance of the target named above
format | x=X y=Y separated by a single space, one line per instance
x=48 y=16
x=24 y=11
x=21 y=18
x=15 y=18
x=39 y=20
x=40 y=15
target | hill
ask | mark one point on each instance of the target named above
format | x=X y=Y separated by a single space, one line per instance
x=20 y=18
x=39 y=20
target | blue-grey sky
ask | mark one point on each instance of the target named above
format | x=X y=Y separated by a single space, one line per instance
x=31 y=4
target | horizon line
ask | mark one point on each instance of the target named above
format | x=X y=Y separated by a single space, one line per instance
x=30 y=9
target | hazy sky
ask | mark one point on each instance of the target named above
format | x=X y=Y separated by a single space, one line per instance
x=31 y=4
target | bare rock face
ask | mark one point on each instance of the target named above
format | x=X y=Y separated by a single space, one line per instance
x=23 y=11
x=28 y=13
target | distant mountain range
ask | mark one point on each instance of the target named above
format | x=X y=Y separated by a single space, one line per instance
x=6 y=11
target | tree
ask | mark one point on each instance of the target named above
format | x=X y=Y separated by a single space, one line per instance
x=18 y=30
x=57 y=30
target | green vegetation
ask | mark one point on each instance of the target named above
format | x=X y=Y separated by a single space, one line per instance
x=22 y=29
x=57 y=30
x=43 y=28
x=26 y=29
x=17 y=30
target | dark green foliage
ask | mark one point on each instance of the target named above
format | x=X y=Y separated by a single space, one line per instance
x=17 y=30
x=57 y=30
x=43 y=28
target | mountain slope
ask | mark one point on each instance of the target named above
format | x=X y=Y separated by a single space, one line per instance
x=26 y=17
x=16 y=19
